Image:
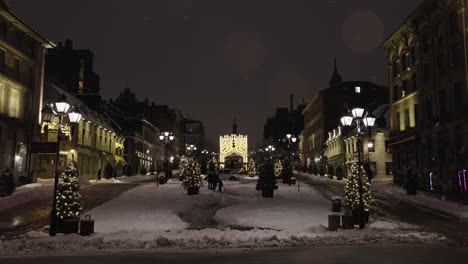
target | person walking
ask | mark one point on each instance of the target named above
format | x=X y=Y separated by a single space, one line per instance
x=220 y=185
x=99 y=174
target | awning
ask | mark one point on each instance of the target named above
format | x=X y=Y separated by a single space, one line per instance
x=402 y=141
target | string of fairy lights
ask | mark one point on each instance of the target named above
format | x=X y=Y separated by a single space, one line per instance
x=68 y=196
x=190 y=173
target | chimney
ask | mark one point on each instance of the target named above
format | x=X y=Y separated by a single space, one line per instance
x=291 y=102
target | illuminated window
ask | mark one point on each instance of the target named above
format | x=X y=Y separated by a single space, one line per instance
x=357 y=89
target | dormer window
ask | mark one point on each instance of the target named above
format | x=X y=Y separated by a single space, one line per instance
x=357 y=89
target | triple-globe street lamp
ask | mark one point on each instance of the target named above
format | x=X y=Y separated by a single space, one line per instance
x=360 y=119
x=60 y=108
x=290 y=139
x=166 y=138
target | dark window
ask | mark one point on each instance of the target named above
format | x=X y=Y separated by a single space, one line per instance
x=395 y=68
x=404 y=88
x=426 y=42
x=373 y=167
x=387 y=147
x=2 y=61
x=3 y=30
x=428 y=104
x=396 y=93
x=29 y=76
x=427 y=73
x=454 y=56
x=397 y=121
x=404 y=62
x=83 y=136
x=0 y=135
x=457 y=97
x=371 y=146
x=440 y=65
x=414 y=83
x=453 y=22
x=407 y=118
x=413 y=55
x=16 y=68
x=388 y=168
x=442 y=102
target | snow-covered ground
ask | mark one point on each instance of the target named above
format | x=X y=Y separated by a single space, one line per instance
x=395 y=193
x=150 y=217
x=27 y=193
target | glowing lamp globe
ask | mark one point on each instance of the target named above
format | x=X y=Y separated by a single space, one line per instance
x=357 y=112
x=346 y=120
x=61 y=106
x=161 y=137
x=74 y=116
x=369 y=121
x=171 y=137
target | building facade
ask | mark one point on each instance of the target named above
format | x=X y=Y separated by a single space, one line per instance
x=323 y=112
x=427 y=63
x=22 y=52
x=92 y=143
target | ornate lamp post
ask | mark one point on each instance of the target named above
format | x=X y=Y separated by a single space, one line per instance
x=60 y=108
x=165 y=138
x=191 y=149
x=290 y=139
x=359 y=119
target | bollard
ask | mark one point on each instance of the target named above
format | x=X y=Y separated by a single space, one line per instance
x=86 y=226
x=336 y=205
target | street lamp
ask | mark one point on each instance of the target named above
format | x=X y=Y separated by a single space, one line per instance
x=360 y=118
x=60 y=108
x=270 y=148
x=190 y=149
x=290 y=139
x=165 y=138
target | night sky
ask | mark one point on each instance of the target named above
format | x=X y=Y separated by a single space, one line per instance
x=218 y=59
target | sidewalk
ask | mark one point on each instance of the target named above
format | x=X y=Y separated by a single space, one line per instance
x=29 y=207
x=442 y=216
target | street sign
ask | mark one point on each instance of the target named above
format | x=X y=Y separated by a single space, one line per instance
x=44 y=147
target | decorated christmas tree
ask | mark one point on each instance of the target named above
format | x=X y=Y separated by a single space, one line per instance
x=68 y=196
x=191 y=176
x=278 y=168
x=252 y=169
x=352 y=189
x=182 y=166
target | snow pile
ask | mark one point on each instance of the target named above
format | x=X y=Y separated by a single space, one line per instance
x=212 y=238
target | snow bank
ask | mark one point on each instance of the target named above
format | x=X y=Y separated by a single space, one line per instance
x=212 y=238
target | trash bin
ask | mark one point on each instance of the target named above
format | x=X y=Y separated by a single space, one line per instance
x=336 y=205
x=86 y=226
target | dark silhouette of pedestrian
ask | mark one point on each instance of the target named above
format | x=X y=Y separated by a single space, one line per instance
x=99 y=174
x=220 y=185
x=7 y=183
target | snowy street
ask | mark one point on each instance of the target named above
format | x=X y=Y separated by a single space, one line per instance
x=147 y=217
x=319 y=255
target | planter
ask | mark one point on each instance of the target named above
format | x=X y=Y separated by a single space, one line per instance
x=69 y=226
x=162 y=180
x=267 y=191
x=86 y=226
x=347 y=222
x=192 y=190
x=333 y=222
x=365 y=216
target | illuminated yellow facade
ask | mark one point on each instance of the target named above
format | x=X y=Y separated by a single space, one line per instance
x=22 y=52
x=233 y=145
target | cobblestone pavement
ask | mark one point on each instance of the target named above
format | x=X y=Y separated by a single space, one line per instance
x=35 y=215
x=431 y=220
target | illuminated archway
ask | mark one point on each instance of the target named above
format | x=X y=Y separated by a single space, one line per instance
x=233 y=145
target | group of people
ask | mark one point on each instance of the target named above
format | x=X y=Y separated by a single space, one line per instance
x=215 y=182
x=7 y=183
x=213 y=178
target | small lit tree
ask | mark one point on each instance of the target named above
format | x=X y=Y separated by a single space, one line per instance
x=68 y=195
x=352 y=189
x=192 y=179
x=278 y=168
x=252 y=170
